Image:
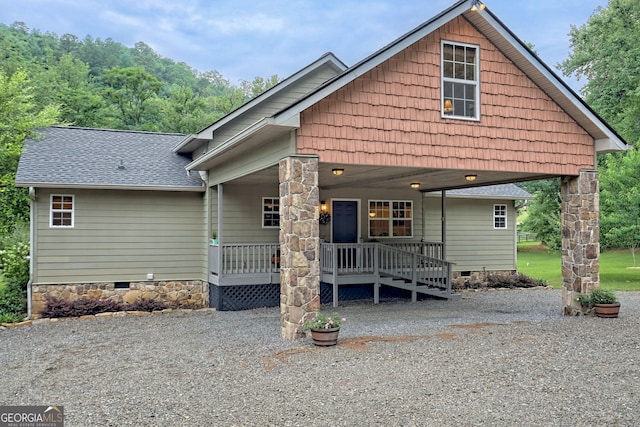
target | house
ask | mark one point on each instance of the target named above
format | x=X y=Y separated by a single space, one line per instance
x=327 y=181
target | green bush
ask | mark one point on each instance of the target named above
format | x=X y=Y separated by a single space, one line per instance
x=512 y=280
x=15 y=264
x=13 y=300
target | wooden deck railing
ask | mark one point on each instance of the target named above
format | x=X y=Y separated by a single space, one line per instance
x=420 y=263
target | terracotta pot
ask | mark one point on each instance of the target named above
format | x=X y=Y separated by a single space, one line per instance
x=325 y=337
x=607 y=310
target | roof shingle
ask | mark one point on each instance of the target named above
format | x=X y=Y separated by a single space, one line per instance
x=70 y=156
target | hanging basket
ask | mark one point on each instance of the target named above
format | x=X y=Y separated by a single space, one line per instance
x=325 y=218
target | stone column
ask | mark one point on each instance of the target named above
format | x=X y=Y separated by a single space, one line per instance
x=580 y=238
x=299 y=242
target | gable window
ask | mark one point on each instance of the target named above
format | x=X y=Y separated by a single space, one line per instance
x=61 y=210
x=460 y=81
x=270 y=212
x=499 y=216
x=390 y=218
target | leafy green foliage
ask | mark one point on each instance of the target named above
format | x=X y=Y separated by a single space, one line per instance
x=321 y=321
x=620 y=201
x=13 y=302
x=606 y=51
x=598 y=296
x=543 y=217
x=15 y=264
x=19 y=117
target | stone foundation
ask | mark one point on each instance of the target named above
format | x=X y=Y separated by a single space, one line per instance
x=473 y=280
x=191 y=294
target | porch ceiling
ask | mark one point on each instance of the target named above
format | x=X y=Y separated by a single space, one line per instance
x=395 y=178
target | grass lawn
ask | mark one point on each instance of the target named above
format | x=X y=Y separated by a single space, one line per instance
x=616 y=272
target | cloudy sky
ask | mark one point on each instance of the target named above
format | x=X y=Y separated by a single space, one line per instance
x=243 y=39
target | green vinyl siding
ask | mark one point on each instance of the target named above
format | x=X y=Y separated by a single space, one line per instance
x=472 y=242
x=242 y=213
x=123 y=236
x=254 y=160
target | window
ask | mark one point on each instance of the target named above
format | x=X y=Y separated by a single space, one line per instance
x=460 y=81
x=61 y=212
x=500 y=216
x=270 y=212
x=388 y=218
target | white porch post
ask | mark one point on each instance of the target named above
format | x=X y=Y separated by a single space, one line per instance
x=580 y=238
x=299 y=242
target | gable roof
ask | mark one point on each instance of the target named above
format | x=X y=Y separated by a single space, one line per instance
x=71 y=157
x=606 y=138
x=499 y=191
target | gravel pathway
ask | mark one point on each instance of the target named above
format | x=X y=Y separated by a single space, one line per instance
x=493 y=358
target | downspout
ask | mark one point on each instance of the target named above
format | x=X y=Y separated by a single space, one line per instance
x=32 y=205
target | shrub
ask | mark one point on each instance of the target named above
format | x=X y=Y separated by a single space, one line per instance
x=145 y=305
x=512 y=280
x=15 y=264
x=12 y=303
x=65 y=308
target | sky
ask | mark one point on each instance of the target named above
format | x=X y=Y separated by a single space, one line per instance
x=242 y=39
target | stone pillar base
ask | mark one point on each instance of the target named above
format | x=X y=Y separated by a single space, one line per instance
x=299 y=242
x=580 y=238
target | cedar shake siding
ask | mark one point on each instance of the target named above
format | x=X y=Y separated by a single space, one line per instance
x=391 y=116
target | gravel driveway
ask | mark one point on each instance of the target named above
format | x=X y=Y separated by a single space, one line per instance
x=493 y=358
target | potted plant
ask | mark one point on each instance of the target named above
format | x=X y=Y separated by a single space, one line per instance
x=323 y=328
x=603 y=301
x=214 y=238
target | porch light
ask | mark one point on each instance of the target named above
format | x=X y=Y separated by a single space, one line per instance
x=323 y=206
x=470 y=177
x=337 y=171
x=415 y=185
x=477 y=5
x=448 y=106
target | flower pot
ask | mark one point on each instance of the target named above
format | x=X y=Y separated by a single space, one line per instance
x=325 y=337
x=607 y=310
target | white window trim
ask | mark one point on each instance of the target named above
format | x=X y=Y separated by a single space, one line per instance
x=72 y=211
x=263 y=212
x=390 y=219
x=448 y=79
x=495 y=216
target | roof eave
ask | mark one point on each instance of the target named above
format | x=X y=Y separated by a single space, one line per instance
x=243 y=135
x=327 y=58
x=80 y=186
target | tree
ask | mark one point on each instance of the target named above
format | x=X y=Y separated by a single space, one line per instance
x=620 y=201
x=606 y=50
x=544 y=212
x=129 y=90
x=18 y=120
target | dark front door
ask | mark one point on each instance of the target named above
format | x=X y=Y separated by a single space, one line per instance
x=345 y=221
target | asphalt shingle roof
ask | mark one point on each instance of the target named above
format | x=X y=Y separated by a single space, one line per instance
x=69 y=156
x=499 y=191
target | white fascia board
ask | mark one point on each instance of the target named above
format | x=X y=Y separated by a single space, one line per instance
x=241 y=136
x=615 y=143
x=374 y=60
x=184 y=142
